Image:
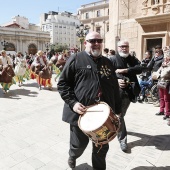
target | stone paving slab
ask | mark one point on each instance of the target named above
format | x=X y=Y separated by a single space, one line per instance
x=33 y=137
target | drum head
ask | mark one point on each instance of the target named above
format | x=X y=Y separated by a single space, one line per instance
x=94 y=117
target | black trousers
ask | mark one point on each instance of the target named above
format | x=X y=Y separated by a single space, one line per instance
x=122 y=134
x=79 y=142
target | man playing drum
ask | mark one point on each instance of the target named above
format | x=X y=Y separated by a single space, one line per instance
x=6 y=67
x=87 y=77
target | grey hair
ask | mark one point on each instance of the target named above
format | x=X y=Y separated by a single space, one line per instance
x=122 y=42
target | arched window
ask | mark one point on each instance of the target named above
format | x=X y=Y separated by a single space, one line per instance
x=10 y=47
x=32 y=49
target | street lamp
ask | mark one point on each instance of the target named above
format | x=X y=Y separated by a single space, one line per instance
x=81 y=32
x=47 y=45
x=4 y=44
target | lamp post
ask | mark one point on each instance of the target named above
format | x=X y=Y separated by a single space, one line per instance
x=81 y=32
x=47 y=45
x=4 y=44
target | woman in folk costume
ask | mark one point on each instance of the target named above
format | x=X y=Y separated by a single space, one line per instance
x=41 y=70
x=6 y=71
x=20 y=68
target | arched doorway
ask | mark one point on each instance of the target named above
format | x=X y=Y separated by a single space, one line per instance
x=10 y=47
x=32 y=49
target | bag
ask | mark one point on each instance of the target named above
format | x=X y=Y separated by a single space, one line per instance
x=162 y=84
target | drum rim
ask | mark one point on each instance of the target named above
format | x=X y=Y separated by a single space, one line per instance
x=79 y=124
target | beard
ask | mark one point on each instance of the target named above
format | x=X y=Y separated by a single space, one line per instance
x=124 y=55
x=96 y=53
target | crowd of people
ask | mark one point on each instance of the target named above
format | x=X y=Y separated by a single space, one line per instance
x=87 y=79
x=19 y=68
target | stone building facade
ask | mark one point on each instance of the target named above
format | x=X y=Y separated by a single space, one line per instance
x=95 y=17
x=145 y=23
x=22 y=36
x=61 y=26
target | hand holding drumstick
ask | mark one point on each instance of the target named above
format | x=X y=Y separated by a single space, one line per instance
x=79 y=108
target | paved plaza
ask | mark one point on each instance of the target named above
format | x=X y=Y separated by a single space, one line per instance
x=33 y=136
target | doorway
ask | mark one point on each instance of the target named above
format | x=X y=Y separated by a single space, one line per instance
x=151 y=43
x=32 y=49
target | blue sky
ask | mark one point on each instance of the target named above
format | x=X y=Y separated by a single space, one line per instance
x=32 y=9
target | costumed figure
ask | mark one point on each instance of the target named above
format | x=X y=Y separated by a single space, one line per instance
x=52 y=63
x=41 y=70
x=29 y=60
x=6 y=71
x=61 y=62
x=20 y=68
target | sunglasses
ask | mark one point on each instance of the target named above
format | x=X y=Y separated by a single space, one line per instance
x=124 y=46
x=93 y=41
x=157 y=51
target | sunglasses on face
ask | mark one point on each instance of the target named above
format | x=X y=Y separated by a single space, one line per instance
x=157 y=51
x=93 y=41
x=124 y=46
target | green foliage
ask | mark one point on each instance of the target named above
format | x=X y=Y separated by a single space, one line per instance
x=59 y=48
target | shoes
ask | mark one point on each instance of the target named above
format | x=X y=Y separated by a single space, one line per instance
x=159 y=113
x=71 y=162
x=4 y=91
x=39 y=87
x=50 y=88
x=168 y=122
x=165 y=117
x=156 y=104
x=123 y=146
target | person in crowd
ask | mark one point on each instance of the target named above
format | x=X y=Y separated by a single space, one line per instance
x=127 y=67
x=163 y=75
x=111 y=53
x=86 y=77
x=106 y=52
x=7 y=75
x=41 y=70
x=146 y=59
x=20 y=68
x=155 y=64
x=165 y=49
x=5 y=59
x=144 y=78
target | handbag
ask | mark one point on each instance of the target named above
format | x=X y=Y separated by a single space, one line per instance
x=162 y=84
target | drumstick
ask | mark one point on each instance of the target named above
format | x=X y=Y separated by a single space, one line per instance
x=94 y=111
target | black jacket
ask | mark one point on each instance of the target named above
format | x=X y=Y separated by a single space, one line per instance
x=81 y=80
x=133 y=66
x=155 y=63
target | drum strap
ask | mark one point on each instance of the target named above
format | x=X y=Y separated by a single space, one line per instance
x=99 y=94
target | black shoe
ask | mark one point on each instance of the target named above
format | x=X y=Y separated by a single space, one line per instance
x=159 y=113
x=123 y=146
x=165 y=117
x=71 y=162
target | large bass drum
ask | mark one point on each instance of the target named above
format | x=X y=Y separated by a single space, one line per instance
x=99 y=123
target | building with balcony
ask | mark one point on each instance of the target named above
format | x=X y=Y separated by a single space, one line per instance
x=61 y=26
x=144 y=23
x=95 y=16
